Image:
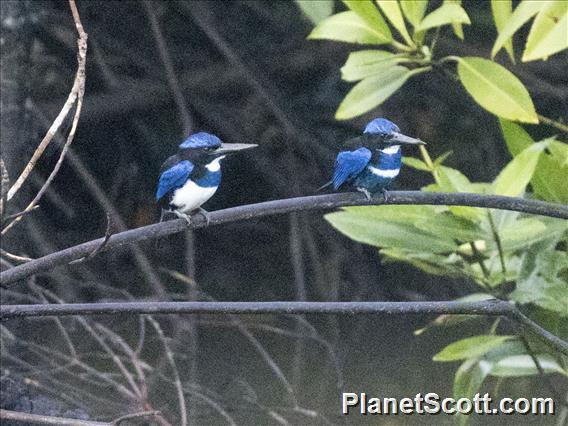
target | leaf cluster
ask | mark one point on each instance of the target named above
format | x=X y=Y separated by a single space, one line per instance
x=379 y=73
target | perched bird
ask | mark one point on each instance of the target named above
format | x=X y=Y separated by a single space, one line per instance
x=189 y=178
x=370 y=162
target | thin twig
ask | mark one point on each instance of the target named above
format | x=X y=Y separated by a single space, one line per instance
x=4 y=182
x=76 y=95
x=108 y=234
x=173 y=82
x=27 y=418
x=15 y=257
x=171 y=360
x=557 y=124
x=121 y=419
x=269 y=208
x=15 y=215
x=544 y=377
x=497 y=239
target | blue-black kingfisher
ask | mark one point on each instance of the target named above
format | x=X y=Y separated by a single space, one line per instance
x=370 y=162
x=189 y=178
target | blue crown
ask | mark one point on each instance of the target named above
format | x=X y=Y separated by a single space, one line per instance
x=201 y=140
x=381 y=126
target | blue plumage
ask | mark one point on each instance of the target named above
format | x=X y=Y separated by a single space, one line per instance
x=369 y=163
x=201 y=140
x=191 y=177
x=174 y=178
x=349 y=164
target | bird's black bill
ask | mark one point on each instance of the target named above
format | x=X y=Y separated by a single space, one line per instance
x=399 y=138
x=227 y=148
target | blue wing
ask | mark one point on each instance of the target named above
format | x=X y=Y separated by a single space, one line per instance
x=174 y=178
x=349 y=164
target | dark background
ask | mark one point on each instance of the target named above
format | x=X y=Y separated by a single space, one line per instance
x=247 y=74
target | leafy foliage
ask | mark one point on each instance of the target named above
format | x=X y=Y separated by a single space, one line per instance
x=490 y=84
x=508 y=255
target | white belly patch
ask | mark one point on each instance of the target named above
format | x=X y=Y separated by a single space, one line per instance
x=191 y=196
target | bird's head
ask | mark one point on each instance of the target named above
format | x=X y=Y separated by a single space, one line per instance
x=383 y=133
x=207 y=147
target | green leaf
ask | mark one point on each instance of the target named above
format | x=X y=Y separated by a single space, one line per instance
x=522 y=233
x=458 y=28
x=559 y=150
x=549 y=32
x=551 y=172
x=371 y=15
x=454 y=227
x=496 y=89
x=449 y=320
x=414 y=10
x=347 y=27
x=468 y=379
x=435 y=264
x=516 y=138
x=317 y=10
x=551 y=294
x=514 y=178
x=470 y=347
x=370 y=228
x=392 y=11
x=415 y=163
x=523 y=365
x=502 y=11
x=524 y=11
x=448 y=13
x=438 y=161
x=452 y=180
x=371 y=92
x=367 y=63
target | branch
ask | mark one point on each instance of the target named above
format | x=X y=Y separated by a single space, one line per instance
x=40 y=419
x=76 y=95
x=488 y=307
x=269 y=208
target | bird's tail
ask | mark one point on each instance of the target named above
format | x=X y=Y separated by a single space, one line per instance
x=321 y=188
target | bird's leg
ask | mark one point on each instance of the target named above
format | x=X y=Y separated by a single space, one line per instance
x=366 y=192
x=205 y=214
x=385 y=195
x=184 y=216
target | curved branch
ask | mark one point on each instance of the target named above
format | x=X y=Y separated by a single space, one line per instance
x=488 y=307
x=268 y=208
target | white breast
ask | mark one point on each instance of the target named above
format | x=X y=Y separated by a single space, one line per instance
x=384 y=173
x=191 y=196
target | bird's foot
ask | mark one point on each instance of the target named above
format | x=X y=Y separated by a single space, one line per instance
x=184 y=216
x=385 y=195
x=366 y=192
x=205 y=215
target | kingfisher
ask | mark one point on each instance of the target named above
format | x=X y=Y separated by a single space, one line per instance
x=369 y=163
x=191 y=177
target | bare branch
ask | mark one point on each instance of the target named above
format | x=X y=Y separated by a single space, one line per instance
x=27 y=418
x=269 y=208
x=490 y=307
x=76 y=95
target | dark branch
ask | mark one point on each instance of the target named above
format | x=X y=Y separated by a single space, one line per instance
x=268 y=208
x=490 y=307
